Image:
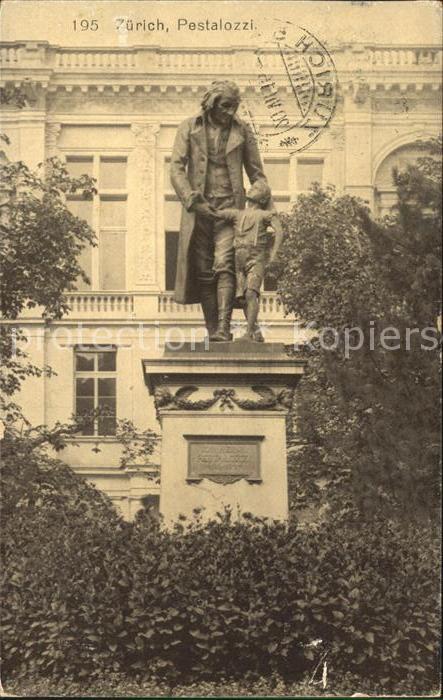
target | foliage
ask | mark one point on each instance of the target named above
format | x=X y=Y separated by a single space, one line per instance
x=41 y=239
x=22 y=442
x=40 y=243
x=39 y=261
x=15 y=368
x=122 y=686
x=368 y=418
x=137 y=445
x=408 y=248
x=47 y=512
x=87 y=595
x=13 y=96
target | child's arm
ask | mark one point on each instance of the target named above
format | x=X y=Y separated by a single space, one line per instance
x=227 y=214
x=275 y=223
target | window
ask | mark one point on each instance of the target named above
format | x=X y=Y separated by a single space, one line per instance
x=270 y=284
x=151 y=503
x=385 y=190
x=171 y=254
x=309 y=170
x=112 y=174
x=106 y=213
x=172 y=214
x=95 y=390
x=167 y=187
x=82 y=208
x=277 y=173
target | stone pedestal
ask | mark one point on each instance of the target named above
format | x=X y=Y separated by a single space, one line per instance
x=223 y=412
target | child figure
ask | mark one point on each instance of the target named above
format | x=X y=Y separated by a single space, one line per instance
x=254 y=250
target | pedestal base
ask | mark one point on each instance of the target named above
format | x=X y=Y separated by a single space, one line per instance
x=223 y=413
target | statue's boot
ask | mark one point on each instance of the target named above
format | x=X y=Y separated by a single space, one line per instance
x=208 y=301
x=255 y=337
x=255 y=334
x=225 y=301
x=258 y=335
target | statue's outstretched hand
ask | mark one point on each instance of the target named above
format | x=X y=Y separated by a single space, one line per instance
x=204 y=209
x=224 y=214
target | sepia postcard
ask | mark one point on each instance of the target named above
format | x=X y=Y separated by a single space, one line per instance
x=220 y=326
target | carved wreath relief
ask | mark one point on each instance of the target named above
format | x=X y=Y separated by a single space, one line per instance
x=227 y=398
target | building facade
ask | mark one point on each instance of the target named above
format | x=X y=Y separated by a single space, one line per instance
x=113 y=113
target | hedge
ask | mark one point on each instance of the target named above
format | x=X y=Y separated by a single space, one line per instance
x=85 y=593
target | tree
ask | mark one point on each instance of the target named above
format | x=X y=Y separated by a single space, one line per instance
x=40 y=244
x=41 y=238
x=39 y=264
x=39 y=248
x=368 y=417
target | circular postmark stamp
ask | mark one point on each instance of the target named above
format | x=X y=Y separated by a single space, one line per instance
x=297 y=84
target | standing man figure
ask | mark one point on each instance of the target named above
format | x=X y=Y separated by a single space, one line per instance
x=209 y=154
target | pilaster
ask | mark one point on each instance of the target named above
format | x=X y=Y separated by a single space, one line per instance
x=143 y=177
x=31 y=137
x=357 y=113
x=333 y=173
x=52 y=133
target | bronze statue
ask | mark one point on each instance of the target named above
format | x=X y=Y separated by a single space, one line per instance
x=255 y=251
x=210 y=151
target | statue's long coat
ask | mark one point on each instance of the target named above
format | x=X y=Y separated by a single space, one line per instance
x=188 y=174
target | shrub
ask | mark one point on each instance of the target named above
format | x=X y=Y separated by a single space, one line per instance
x=120 y=686
x=85 y=594
x=57 y=532
x=369 y=417
x=238 y=598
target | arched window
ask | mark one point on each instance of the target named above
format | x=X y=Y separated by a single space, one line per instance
x=385 y=192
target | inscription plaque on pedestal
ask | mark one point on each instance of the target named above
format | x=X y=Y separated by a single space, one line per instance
x=223 y=458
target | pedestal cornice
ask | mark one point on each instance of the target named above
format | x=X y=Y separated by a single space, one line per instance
x=225 y=376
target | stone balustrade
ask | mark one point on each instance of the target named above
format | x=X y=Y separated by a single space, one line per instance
x=67 y=60
x=270 y=308
x=121 y=305
x=168 y=307
x=404 y=57
x=106 y=305
x=9 y=54
x=155 y=60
